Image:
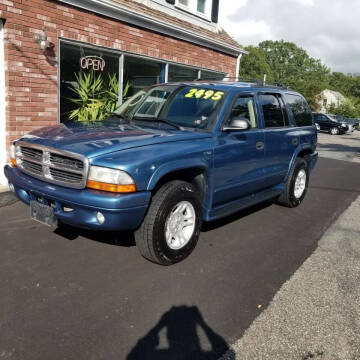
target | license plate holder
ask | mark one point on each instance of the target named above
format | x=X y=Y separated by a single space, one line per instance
x=43 y=213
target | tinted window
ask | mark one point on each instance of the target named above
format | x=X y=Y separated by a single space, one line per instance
x=300 y=109
x=244 y=108
x=272 y=110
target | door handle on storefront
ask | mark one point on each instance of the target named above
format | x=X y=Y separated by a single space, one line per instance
x=259 y=145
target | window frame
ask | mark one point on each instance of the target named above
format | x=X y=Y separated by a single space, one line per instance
x=192 y=8
x=229 y=110
x=292 y=112
x=283 y=107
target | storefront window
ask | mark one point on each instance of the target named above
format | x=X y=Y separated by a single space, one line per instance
x=89 y=83
x=139 y=73
x=180 y=73
x=209 y=75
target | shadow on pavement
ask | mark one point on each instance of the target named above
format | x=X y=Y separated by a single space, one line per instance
x=125 y=239
x=209 y=226
x=338 y=147
x=182 y=325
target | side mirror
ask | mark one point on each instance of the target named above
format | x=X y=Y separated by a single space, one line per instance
x=237 y=124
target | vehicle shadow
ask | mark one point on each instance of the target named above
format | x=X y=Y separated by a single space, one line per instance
x=121 y=238
x=209 y=226
x=127 y=238
x=181 y=325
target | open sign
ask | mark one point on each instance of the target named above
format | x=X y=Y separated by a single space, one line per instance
x=92 y=62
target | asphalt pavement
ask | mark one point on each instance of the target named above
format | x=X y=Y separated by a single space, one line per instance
x=85 y=295
x=316 y=314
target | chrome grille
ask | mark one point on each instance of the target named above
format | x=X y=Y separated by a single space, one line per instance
x=66 y=161
x=54 y=166
x=62 y=175
x=32 y=167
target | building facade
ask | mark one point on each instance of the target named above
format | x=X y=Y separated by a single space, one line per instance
x=50 y=49
x=327 y=98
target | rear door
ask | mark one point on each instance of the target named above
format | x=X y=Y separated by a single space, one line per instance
x=281 y=137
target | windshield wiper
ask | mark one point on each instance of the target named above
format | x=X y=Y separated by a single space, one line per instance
x=119 y=117
x=158 y=119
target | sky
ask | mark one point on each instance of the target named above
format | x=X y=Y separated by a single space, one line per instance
x=327 y=29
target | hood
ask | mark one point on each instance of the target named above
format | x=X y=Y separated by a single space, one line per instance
x=100 y=140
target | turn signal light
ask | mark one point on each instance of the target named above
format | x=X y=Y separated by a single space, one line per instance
x=97 y=185
x=12 y=153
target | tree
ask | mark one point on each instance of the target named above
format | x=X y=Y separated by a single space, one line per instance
x=341 y=83
x=291 y=63
x=294 y=67
x=350 y=108
x=255 y=66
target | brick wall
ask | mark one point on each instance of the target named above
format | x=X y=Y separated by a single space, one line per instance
x=31 y=80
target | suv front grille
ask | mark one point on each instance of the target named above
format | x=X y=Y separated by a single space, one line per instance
x=54 y=166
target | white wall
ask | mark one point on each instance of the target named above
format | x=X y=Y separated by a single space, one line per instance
x=3 y=180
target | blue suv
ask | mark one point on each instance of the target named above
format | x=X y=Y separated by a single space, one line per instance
x=172 y=156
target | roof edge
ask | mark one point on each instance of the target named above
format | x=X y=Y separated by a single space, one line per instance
x=116 y=11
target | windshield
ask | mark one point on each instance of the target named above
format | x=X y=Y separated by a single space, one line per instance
x=177 y=105
x=333 y=117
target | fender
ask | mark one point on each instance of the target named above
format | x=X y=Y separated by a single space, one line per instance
x=300 y=148
x=176 y=165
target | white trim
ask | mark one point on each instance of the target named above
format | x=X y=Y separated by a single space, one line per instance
x=3 y=152
x=116 y=11
x=192 y=8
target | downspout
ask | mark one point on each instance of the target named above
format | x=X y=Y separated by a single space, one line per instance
x=238 y=66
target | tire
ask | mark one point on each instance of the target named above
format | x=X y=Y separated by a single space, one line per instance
x=164 y=248
x=291 y=197
x=334 y=131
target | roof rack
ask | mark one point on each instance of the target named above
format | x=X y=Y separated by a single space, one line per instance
x=251 y=82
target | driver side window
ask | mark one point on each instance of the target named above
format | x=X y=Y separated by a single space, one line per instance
x=244 y=109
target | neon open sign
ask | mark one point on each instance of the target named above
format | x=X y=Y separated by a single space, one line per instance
x=92 y=62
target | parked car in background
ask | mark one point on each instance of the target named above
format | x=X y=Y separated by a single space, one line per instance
x=342 y=119
x=326 y=122
x=355 y=123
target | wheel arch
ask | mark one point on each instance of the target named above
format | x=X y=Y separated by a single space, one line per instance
x=195 y=174
x=301 y=152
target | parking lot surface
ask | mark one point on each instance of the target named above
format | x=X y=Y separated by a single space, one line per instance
x=315 y=315
x=341 y=147
x=81 y=295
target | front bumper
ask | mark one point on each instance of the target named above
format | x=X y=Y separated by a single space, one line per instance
x=121 y=211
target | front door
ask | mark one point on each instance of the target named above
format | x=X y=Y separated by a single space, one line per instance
x=239 y=155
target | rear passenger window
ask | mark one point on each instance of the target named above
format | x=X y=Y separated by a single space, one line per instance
x=300 y=109
x=274 y=111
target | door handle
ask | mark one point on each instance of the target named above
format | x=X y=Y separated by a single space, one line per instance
x=259 y=145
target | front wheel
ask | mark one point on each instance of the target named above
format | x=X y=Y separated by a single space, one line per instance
x=171 y=228
x=296 y=185
x=334 y=131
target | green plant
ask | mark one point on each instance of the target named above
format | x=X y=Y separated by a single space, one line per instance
x=95 y=98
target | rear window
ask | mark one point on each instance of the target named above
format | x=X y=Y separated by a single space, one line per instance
x=300 y=110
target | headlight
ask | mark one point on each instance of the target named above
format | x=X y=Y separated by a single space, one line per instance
x=113 y=180
x=343 y=125
x=13 y=155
